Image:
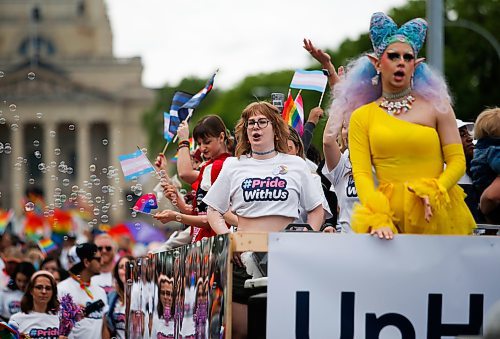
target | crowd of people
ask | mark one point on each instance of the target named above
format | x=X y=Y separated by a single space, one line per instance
x=396 y=160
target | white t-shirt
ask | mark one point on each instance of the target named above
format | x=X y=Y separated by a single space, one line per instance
x=10 y=302
x=105 y=280
x=91 y=326
x=37 y=325
x=162 y=330
x=343 y=183
x=319 y=188
x=255 y=188
x=119 y=319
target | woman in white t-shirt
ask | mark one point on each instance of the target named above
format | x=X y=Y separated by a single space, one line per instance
x=115 y=318
x=263 y=186
x=39 y=307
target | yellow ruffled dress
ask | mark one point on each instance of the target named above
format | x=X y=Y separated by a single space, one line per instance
x=409 y=164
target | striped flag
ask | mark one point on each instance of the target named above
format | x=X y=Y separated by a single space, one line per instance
x=47 y=246
x=183 y=105
x=288 y=108
x=135 y=164
x=5 y=218
x=310 y=80
x=297 y=117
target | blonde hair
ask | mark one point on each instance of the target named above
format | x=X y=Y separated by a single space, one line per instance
x=488 y=124
x=272 y=113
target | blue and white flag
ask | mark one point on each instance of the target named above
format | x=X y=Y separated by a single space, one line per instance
x=310 y=80
x=183 y=105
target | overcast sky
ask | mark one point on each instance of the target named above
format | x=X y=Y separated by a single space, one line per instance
x=179 y=38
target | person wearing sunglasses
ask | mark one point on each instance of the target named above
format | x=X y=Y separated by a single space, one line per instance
x=39 y=307
x=264 y=186
x=91 y=297
x=403 y=126
x=107 y=248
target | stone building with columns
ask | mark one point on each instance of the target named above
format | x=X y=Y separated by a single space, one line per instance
x=68 y=106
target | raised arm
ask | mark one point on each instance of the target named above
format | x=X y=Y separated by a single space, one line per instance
x=331 y=149
x=324 y=59
x=184 y=165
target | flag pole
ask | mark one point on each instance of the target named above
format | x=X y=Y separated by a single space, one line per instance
x=165 y=148
x=300 y=91
x=321 y=99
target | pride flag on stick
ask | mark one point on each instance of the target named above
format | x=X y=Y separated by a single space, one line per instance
x=293 y=112
x=47 y=246
x=135 y=164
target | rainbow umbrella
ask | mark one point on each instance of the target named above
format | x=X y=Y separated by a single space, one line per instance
x=137 y=231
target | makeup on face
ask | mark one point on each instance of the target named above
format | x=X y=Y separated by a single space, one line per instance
x=396 y=56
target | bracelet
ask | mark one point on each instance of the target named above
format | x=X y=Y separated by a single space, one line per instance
x=182 y=146
x=183 y=142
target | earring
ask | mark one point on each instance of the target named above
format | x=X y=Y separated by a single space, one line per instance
x=375 y=79
x=411 y=82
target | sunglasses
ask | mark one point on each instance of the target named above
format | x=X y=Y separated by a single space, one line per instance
x=107 y=248
x=396 y=56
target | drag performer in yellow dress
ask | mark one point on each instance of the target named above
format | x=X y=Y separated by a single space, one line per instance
x=403 y=127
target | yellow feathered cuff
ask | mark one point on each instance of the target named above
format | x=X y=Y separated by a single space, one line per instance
x=374 y=214
x=437 y=193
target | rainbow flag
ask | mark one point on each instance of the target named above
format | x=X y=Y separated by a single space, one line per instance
x=33 y=226
x=297 y=117
x=288 y=108
x=5 y=218
x=61 y=224
x=293 y=113
x=146 y=203
x=47 y=246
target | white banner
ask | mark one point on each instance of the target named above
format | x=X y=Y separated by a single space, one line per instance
x=357 y=286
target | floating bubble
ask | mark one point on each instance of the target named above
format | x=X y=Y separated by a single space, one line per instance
x=104 y=170
x=53 y=164
x=14 y=127
x=71 y=127
x=133 y=214
x=178 y=217
x=31 y=181
x=2 y=74
x=16 y=117
x=57 y=151
x=29 y=206
x=137 y=225
x=129 y=281
x=57 y=191
x=52 y=133
x=65 y=182
x=104 y=218
x=69 y=170
x=39 y=115
x=174 y=202
x=2 y=121
x=7 y=148
x=98 y=200
x=120 y=202
x=182 y=191
x=92 y=168
x=38 y=155
x=36 y=143
x=53 y=177
x=97 y=182
x=129 y=197
x=12 y=107
x=74 y=189
x=31 y=75
x=96 y=211
x=104 y=142
x=41 y=166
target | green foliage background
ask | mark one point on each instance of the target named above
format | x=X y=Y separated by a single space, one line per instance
x=472 y=69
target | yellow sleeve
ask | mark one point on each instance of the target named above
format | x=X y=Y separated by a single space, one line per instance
x=374 y=211
x=455 y=165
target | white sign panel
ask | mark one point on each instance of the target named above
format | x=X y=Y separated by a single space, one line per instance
x=358 y=286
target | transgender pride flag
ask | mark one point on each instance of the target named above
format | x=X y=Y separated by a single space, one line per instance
x=135 y=164
x=310 y=80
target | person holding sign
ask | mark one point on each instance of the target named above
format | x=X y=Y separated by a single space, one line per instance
x=404 y=127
